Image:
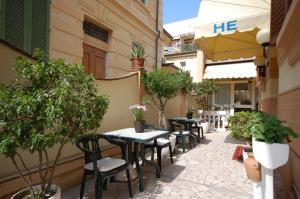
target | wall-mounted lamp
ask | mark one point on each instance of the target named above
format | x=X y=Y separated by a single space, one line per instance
x=263 y=38
x=261 y=66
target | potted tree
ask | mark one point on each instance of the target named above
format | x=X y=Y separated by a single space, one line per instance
x=137 y=56
x=50 y=103
x=204 y=90
x=270 y=140
x=161 y=86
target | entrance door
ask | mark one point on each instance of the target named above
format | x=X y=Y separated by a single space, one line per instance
x=94 y=61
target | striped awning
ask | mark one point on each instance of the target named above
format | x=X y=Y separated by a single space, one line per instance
x=230 y=71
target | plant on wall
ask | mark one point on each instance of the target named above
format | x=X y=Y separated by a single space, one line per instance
x=203 y=90
x=269 y=129
x=161 y=86
x=50 y=103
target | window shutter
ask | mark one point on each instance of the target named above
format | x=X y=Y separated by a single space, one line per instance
x=40 y=25
x=14 y=23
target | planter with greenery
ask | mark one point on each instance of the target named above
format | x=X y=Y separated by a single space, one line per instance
x=240 y=125
x=190 y=112
x=270 y=140
x=137 y=56
x=138 y=111
x=161 y=86
x=50 y=103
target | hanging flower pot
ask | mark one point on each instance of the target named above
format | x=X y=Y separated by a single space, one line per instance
x=252 y=168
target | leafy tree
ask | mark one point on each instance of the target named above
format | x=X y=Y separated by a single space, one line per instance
x=186 y=83
x=50 y=102
x=161 y=86
x=203 y=90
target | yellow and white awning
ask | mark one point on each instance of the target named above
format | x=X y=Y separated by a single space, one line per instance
x=230 y=71
x=232 y=39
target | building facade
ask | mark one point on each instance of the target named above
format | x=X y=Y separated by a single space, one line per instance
x=97 y=33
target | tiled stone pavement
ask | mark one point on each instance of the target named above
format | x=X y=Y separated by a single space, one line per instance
x=206 y=171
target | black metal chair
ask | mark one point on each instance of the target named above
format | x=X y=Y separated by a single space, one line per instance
x=181 y=133
x=101 y=168
x=158 y=145
x=199 y=129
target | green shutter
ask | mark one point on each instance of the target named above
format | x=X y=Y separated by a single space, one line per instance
x=40 y=25
x=2 y=11
x=14 y=22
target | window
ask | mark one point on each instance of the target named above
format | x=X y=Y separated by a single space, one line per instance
x=243 y=94
x=222 y=97
x=25 y=24
x=183 y=63
x=95 y=31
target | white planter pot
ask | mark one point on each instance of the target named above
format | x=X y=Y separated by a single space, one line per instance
x=205 y=126
x=271 y=156
x=25 y=192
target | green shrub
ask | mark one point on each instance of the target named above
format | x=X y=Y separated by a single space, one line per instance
x=240 y=125
x=267 y=128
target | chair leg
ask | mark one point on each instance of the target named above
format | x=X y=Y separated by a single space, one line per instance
x=82 y=185
x=100 y=187
x=183 y=142
x=152 y=154
x=191 y=141
x=159 y=157
x=96 y=188
x=198 y=135
x=171 y=154
x=129 y=182
x=202 y=133
x=105 y=185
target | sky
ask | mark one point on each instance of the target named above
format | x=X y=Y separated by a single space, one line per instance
x=175 y=10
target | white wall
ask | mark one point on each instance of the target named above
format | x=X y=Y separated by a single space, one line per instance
x=191 y=65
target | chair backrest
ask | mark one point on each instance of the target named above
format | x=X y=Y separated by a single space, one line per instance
x=173 y=124
x=89 y=144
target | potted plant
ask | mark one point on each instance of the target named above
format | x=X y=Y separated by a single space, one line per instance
x=50 y=103
x=137 y=56
x=204 y=90
x=138 y=111
x=270 y=140
x=189 y=113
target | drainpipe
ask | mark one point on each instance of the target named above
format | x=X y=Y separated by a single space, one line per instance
x=158 y=34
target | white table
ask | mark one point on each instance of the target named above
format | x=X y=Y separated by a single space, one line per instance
x=139 y=139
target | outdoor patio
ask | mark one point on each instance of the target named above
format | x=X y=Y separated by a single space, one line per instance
x=206 y=171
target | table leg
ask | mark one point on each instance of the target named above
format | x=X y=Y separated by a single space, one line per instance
x=156 y=166
x=138 y=168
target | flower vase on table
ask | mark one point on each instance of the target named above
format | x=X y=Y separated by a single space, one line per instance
x=138 y=111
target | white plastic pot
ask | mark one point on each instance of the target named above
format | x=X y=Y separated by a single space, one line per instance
x=271 y=156
x=25 y=192
x=205 y=126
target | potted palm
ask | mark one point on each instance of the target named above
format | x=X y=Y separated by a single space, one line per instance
x=51 y=103
x=137 y=56
x=270 y=140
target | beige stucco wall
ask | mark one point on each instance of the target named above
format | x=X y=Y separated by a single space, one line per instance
x=8 y=58
x=127 y=21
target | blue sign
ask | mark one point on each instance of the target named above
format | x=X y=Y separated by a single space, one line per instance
x=229 y=26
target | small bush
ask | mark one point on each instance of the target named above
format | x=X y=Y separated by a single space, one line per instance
x=240 y=125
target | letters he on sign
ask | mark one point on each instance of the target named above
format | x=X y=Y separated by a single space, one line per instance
x=225 y=26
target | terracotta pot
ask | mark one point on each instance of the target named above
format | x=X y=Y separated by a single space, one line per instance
x=252 y=169
x=138 y=63
x=25 y=193
x=139 y=126
x=189 y=115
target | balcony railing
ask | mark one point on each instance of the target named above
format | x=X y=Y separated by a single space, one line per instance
x=180 y=48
